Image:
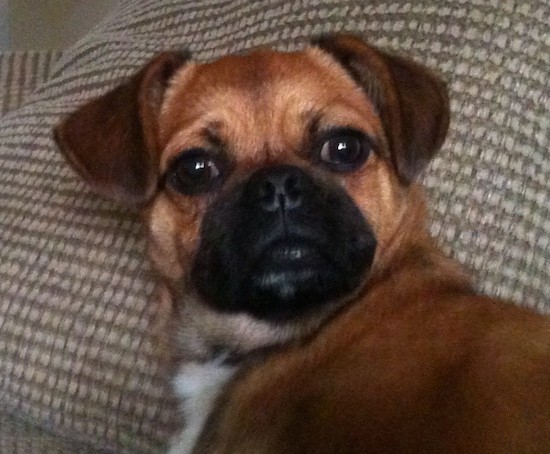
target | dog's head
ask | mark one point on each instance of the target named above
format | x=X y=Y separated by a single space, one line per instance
x=274 y=185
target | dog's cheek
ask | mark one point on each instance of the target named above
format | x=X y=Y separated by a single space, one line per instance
x=173 y=237
x=380 y=198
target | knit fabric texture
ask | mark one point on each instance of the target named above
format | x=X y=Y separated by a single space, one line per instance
x=75 y=288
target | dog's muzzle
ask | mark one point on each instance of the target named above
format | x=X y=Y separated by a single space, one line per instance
x=281 y=244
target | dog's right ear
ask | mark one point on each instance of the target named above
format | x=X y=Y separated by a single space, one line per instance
x=112 y=141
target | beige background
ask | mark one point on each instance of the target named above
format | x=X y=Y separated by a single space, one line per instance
x=48 y=24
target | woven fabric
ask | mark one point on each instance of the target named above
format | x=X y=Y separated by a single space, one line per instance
x=74 y=284
x=23 y=437
x=21 y=73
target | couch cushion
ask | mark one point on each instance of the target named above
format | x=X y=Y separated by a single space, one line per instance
x=20 y=73
x=18 y=436
x=74 y=285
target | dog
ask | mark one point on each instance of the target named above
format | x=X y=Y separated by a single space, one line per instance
x=307 y=306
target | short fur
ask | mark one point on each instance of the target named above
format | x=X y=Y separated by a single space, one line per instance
x=410 y=360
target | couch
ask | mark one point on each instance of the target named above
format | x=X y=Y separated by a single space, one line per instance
x=77 y=369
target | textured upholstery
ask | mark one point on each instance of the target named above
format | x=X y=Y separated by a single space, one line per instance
x=75 y=356
x=21 y=73
x=18 y=436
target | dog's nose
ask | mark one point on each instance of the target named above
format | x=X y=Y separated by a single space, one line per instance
x=278 y=188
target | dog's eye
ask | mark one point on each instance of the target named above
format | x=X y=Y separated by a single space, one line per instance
x=344 y=150
x=196 y=171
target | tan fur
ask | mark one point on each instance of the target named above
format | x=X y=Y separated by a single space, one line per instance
x=393 y=356
x=413 y=361
x=260 y=105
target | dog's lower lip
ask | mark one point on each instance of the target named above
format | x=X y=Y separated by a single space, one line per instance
x=290 y=251
x=280 y=277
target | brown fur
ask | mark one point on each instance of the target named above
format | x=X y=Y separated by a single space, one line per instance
x=419 y=365
x=415 y=361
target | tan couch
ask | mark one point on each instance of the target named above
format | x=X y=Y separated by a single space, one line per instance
x=77 y=372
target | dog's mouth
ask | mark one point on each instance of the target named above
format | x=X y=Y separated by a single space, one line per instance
x=294 y=275
x=291 y=254
x=290 y=276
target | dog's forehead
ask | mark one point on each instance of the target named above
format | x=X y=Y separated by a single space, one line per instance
x=261 y=101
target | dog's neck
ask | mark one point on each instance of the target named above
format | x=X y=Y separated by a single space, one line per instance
x=409 y=231
x=420 y=278
x=411 y=254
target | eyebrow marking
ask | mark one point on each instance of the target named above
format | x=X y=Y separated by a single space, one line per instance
x=313 y=122
x=212 y=136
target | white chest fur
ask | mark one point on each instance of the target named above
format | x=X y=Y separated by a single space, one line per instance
x=197 y=385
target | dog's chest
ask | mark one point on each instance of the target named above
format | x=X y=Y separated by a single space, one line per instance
x=198 y=385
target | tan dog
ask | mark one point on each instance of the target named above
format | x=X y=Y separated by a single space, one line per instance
x=310 y=311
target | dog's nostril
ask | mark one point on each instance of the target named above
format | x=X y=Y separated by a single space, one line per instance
x=293 y=193
x=292 y=187
x=267 y=193
x=278 y=188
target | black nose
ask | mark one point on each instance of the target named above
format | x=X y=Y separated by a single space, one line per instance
x=278 y=188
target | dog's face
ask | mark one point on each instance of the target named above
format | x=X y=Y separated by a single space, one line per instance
x=273 y=185
x=271 y=164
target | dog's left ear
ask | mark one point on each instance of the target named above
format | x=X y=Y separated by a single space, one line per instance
x=412 y=102
x=112 y=141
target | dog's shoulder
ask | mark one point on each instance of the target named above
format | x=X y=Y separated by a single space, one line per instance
x=433 y=359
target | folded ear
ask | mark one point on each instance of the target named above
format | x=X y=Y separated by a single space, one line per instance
x=112 y=141
x=412 y=102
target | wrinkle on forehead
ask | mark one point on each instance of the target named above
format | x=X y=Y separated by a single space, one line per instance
x=261 y=101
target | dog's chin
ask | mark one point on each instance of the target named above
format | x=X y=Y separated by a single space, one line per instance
x=291 y=278
x=288 y=279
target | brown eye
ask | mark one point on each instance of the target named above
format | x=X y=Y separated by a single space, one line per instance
x=344 y=150
x=196 y=171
